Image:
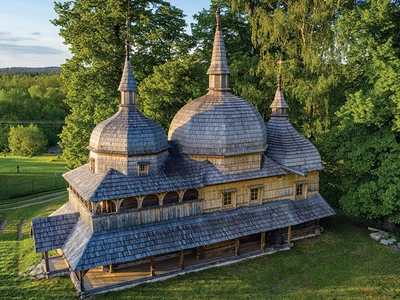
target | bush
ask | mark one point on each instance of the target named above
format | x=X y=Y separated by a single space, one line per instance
x=26 y=141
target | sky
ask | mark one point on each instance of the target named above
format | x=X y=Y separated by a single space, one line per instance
x=28 y=39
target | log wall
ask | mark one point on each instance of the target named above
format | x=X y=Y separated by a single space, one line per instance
x=273 y=188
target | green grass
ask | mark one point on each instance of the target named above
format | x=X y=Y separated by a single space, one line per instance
x=36 y=174
x=16 y=255
x=343 y=263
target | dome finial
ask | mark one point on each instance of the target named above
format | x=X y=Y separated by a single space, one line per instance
x=127 y=86
x=279 y=105
x=218 y=17
x=127 y=40
x=280 y=62
x=219 y=70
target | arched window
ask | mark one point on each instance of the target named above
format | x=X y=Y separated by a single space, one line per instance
x=191 y=194
x=150 y=200
x=171 y=197
x=129 y=204
x=106 y=207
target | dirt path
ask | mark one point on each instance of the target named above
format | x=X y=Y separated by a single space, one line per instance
x=2 y=226
x=20 y=228
x=36 y=198
x=35 y=203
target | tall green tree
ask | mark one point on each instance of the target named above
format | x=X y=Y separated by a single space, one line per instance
x=171 y=86
x=363 y=150
x=301 y=32
x=95 y=32
x=27 y=141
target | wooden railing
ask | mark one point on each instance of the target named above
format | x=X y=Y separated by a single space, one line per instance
x=146 y=215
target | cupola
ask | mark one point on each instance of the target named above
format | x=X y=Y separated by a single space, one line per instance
x=128 y=141
x=286 y=145
x=220 y=126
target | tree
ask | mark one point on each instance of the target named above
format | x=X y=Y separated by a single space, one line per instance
x=26 y=140
x=300 y=32
x=96 y=34
x=28 y=99
x=171 y=86
x=363 y=150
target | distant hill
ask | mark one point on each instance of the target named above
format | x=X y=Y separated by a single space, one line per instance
x=30 y=71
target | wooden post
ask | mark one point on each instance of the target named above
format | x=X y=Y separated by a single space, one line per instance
x=152 y=269
x=181 y=256
x=289 y=235
x=46 y=262
x=111 y=268
x=262 y=241
x=81 y=275
x=237 y=245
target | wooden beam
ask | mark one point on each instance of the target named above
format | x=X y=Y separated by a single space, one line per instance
x=111 y=268
x=262 y=241
x=46 y=262
x=181 y=257
x=152 y=269
x=289 y=235
x=237 y=246
x=81 y=275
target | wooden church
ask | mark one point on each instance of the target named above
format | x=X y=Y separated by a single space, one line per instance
x=222 y=186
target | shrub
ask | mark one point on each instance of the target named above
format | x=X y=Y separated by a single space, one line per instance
x=26 y=141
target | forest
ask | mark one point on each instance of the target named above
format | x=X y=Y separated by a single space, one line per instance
x=340 y=66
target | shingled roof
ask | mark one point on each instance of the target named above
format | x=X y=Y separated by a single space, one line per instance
x=51 y=232
x=286 y=145
x=179 y=173
x=85 y=249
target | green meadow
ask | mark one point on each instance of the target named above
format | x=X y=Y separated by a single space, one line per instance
x=343 y=263
x=36 y=174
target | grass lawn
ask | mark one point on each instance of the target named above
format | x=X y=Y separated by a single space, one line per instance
x=343 y=263
x=36 y=174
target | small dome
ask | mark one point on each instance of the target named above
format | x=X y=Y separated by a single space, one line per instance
x=286 y=145
x=289 y=148
x=128 y=132
x=219 y=123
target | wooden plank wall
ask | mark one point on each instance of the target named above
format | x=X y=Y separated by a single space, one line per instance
x=146 y=215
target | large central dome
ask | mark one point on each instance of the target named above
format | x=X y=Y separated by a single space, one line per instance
x=219 y=123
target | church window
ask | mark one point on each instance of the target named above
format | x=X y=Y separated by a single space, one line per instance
x=254 y=195
x=143 y=168
x=227 y=199
x=299 y=190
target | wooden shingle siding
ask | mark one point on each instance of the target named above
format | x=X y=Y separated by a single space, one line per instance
x=85 y=249
x=289 y=148
x=51 y=232
x=179 y=173
x=219 y=124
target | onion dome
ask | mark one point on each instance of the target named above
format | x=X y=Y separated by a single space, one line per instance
x=286 y=145
x=219 y=123
x=128 y=132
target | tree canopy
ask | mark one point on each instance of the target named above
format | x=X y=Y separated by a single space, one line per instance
x=363 y=150
x=95 y=32
x=27 y=141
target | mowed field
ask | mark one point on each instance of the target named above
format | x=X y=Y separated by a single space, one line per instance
x=343 y=263
x=36 y=174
